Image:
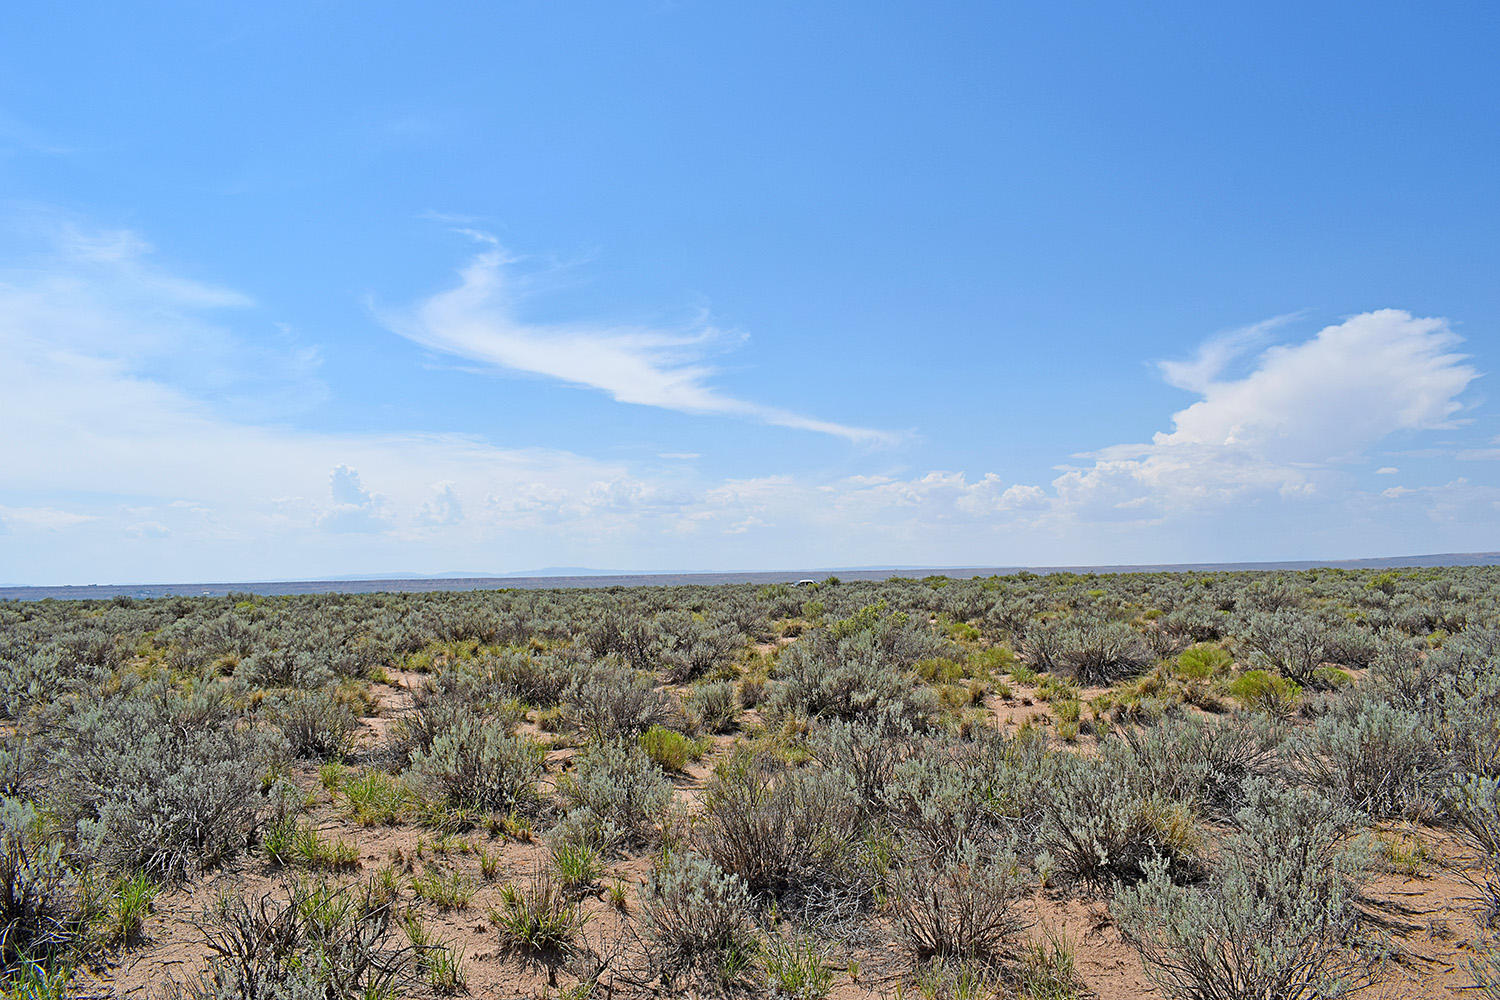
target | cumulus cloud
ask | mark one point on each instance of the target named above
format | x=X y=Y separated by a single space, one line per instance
x=478 y=320
x=1303 y=410
x=443 y=507
x=354 y=507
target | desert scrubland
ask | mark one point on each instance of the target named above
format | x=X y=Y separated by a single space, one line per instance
x=1205 y=785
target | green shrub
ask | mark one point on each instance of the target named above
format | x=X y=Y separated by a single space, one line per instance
x=1200 y=662
x=475 y=764
x=696 y=922
x=1275 y=917
x=317 y=725
x=158 y=782
x=961 y=905
x=1266 y=692
x=671 y=750
x=615 y=795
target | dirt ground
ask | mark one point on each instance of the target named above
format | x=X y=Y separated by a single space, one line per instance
x=1423 y=911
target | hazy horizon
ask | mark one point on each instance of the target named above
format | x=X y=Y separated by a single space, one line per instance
x=577 y=576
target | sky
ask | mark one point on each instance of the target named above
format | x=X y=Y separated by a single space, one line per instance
x=299 y=290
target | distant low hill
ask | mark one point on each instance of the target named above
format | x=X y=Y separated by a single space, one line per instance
x=573 y=576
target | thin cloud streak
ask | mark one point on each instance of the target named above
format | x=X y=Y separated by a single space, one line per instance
x=477 y=320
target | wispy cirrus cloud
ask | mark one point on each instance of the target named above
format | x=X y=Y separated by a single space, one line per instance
x=1214 y=355
x=478 y=320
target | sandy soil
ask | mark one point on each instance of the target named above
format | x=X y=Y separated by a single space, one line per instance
x=1425 y=916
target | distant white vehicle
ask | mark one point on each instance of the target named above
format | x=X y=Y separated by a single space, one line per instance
x=804 y=583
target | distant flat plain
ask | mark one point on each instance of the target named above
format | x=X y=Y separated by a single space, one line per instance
x=425 y=584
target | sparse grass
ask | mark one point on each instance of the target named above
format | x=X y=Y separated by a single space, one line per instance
x=447 y=890
x=1054 y=688
x=576 y=864
x=1049 y=969
x=315 y=851
x=299 y=843
x=795 y=969
x=130 y=901
x=443 y=968
x=517 y=827
x=536 y=917
x=1404 y=853
x=331 y=774
x=374 y=798
x=945 y=980
x=1023 y=674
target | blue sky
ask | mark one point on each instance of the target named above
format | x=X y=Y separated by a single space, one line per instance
x=308 y=289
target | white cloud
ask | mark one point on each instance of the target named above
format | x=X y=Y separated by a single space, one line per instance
x=1387 y=470
x=478 y=320
x=354 y=507
x=443 y=508
x=119 y=463
x=1214 y=355
x=41 y=518
x=92 y=409
x=1304 y=410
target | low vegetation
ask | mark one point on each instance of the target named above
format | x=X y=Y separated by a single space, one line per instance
x=936 y=788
